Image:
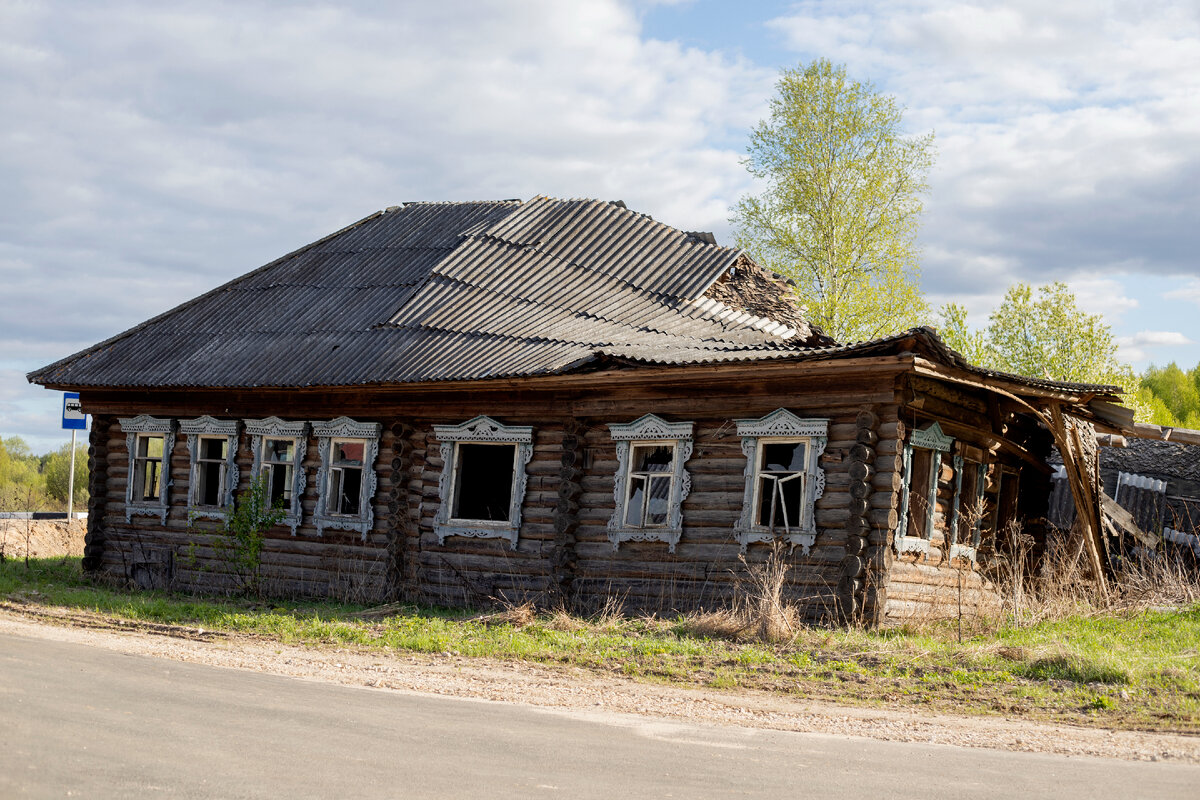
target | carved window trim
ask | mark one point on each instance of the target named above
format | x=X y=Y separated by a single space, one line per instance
x=339 y=429
x=208 y=428
x=275 y=428
x=486 y=430
x=931 y=438
x=650 y=430
x=136 y=428
x=782 y=426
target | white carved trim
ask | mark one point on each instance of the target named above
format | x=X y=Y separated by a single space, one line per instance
x=932 y=438
x=911 y=544
x=207 y=426
x=962 y=551
x=959 y=463
x=276 y=428
x=650 y=429
x=487 y=430
x=782 y=425
x=326 y=433
x=154 y=426
x=484 y=429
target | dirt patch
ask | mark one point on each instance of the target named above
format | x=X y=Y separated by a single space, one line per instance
x=42 y=538
x=580 y=691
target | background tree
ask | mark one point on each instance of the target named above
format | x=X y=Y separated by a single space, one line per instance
x=1172 y=395
x=842 y=203
x=1047 y=336
x=56 y=468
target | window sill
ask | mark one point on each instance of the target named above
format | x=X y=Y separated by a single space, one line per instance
x=757 y=535
x=206 y=512
x=478 y=530
x=911 y=544
x=962 y=551
x=147 y=510
x=342 y=522
x=669 y=535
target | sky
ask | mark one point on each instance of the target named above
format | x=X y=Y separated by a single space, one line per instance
x=150 y=151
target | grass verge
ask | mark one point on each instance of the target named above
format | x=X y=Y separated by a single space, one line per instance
x=1137 y=670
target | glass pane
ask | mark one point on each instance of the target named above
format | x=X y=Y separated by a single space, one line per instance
x=483 y=481
x=783 y=456
x=660 y=500
x=653 y=457
x=280 y=449
x=349 y=452
x=637 y=498
x=213 y=448
x=150 y=446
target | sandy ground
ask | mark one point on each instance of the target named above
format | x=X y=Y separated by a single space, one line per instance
x=578 y=691
x=42 y=538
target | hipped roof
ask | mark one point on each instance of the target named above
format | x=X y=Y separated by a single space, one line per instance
x=467 y=291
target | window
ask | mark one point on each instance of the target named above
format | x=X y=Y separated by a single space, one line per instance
x=483 y=479
x=651 y=482
x=212 y=445
x=346 y=481
x=918 y=500
x=783 y=478
x=966 y=517
x=279 y=449
x=149 y=441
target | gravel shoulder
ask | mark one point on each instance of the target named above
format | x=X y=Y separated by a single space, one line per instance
x=576 y=691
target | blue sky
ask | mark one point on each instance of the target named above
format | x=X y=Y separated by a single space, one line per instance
x=152 y=151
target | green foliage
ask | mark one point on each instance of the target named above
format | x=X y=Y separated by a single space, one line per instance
x=1173 y=395
x=1045 y=335
x=56 y=469
x=245 y=525
x=22 y=485
x=842 y=204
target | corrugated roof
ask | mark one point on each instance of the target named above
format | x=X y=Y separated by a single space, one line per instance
x=463 y=291
x=440 y=291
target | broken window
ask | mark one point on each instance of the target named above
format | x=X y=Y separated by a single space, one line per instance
x=918 y=501
x=347 y=478
x=278 y=470
x=651 y=482
x=212 y=445
x=279 y=449
x=783 y=478
x=483 y=479
x=483 y=476
x=148 y=440
x=210 y=471
x=781 y=483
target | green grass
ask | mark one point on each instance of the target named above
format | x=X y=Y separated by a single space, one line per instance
x=1140 y=670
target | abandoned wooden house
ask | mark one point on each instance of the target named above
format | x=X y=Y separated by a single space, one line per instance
x=555 y=399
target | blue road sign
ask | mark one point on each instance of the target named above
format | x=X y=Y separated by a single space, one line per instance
x=73 y=417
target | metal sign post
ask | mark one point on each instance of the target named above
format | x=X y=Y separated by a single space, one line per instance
x=73 y=419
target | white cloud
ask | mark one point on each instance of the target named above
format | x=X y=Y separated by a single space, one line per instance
x=1141 y=345
x=1189 y=291
x=1068 y=133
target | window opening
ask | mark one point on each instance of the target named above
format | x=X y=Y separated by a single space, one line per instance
x=148 y=469
x=483 y=482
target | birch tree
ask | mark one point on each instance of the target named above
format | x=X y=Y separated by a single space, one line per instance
x=842 y=202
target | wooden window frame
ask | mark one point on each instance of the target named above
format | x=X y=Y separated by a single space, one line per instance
x=197 y=430
x=933 y=439
x=652 y=431
x=137 y=428
x=260 y=430
x=782 y=426
x=960 y=549
x=346 y=429
x=482 y=430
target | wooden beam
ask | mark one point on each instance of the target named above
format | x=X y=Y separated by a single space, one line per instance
x=1088 y=510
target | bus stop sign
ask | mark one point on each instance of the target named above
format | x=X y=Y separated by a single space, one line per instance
x=73 y=417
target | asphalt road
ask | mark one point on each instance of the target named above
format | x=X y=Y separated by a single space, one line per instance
x=87 y=722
